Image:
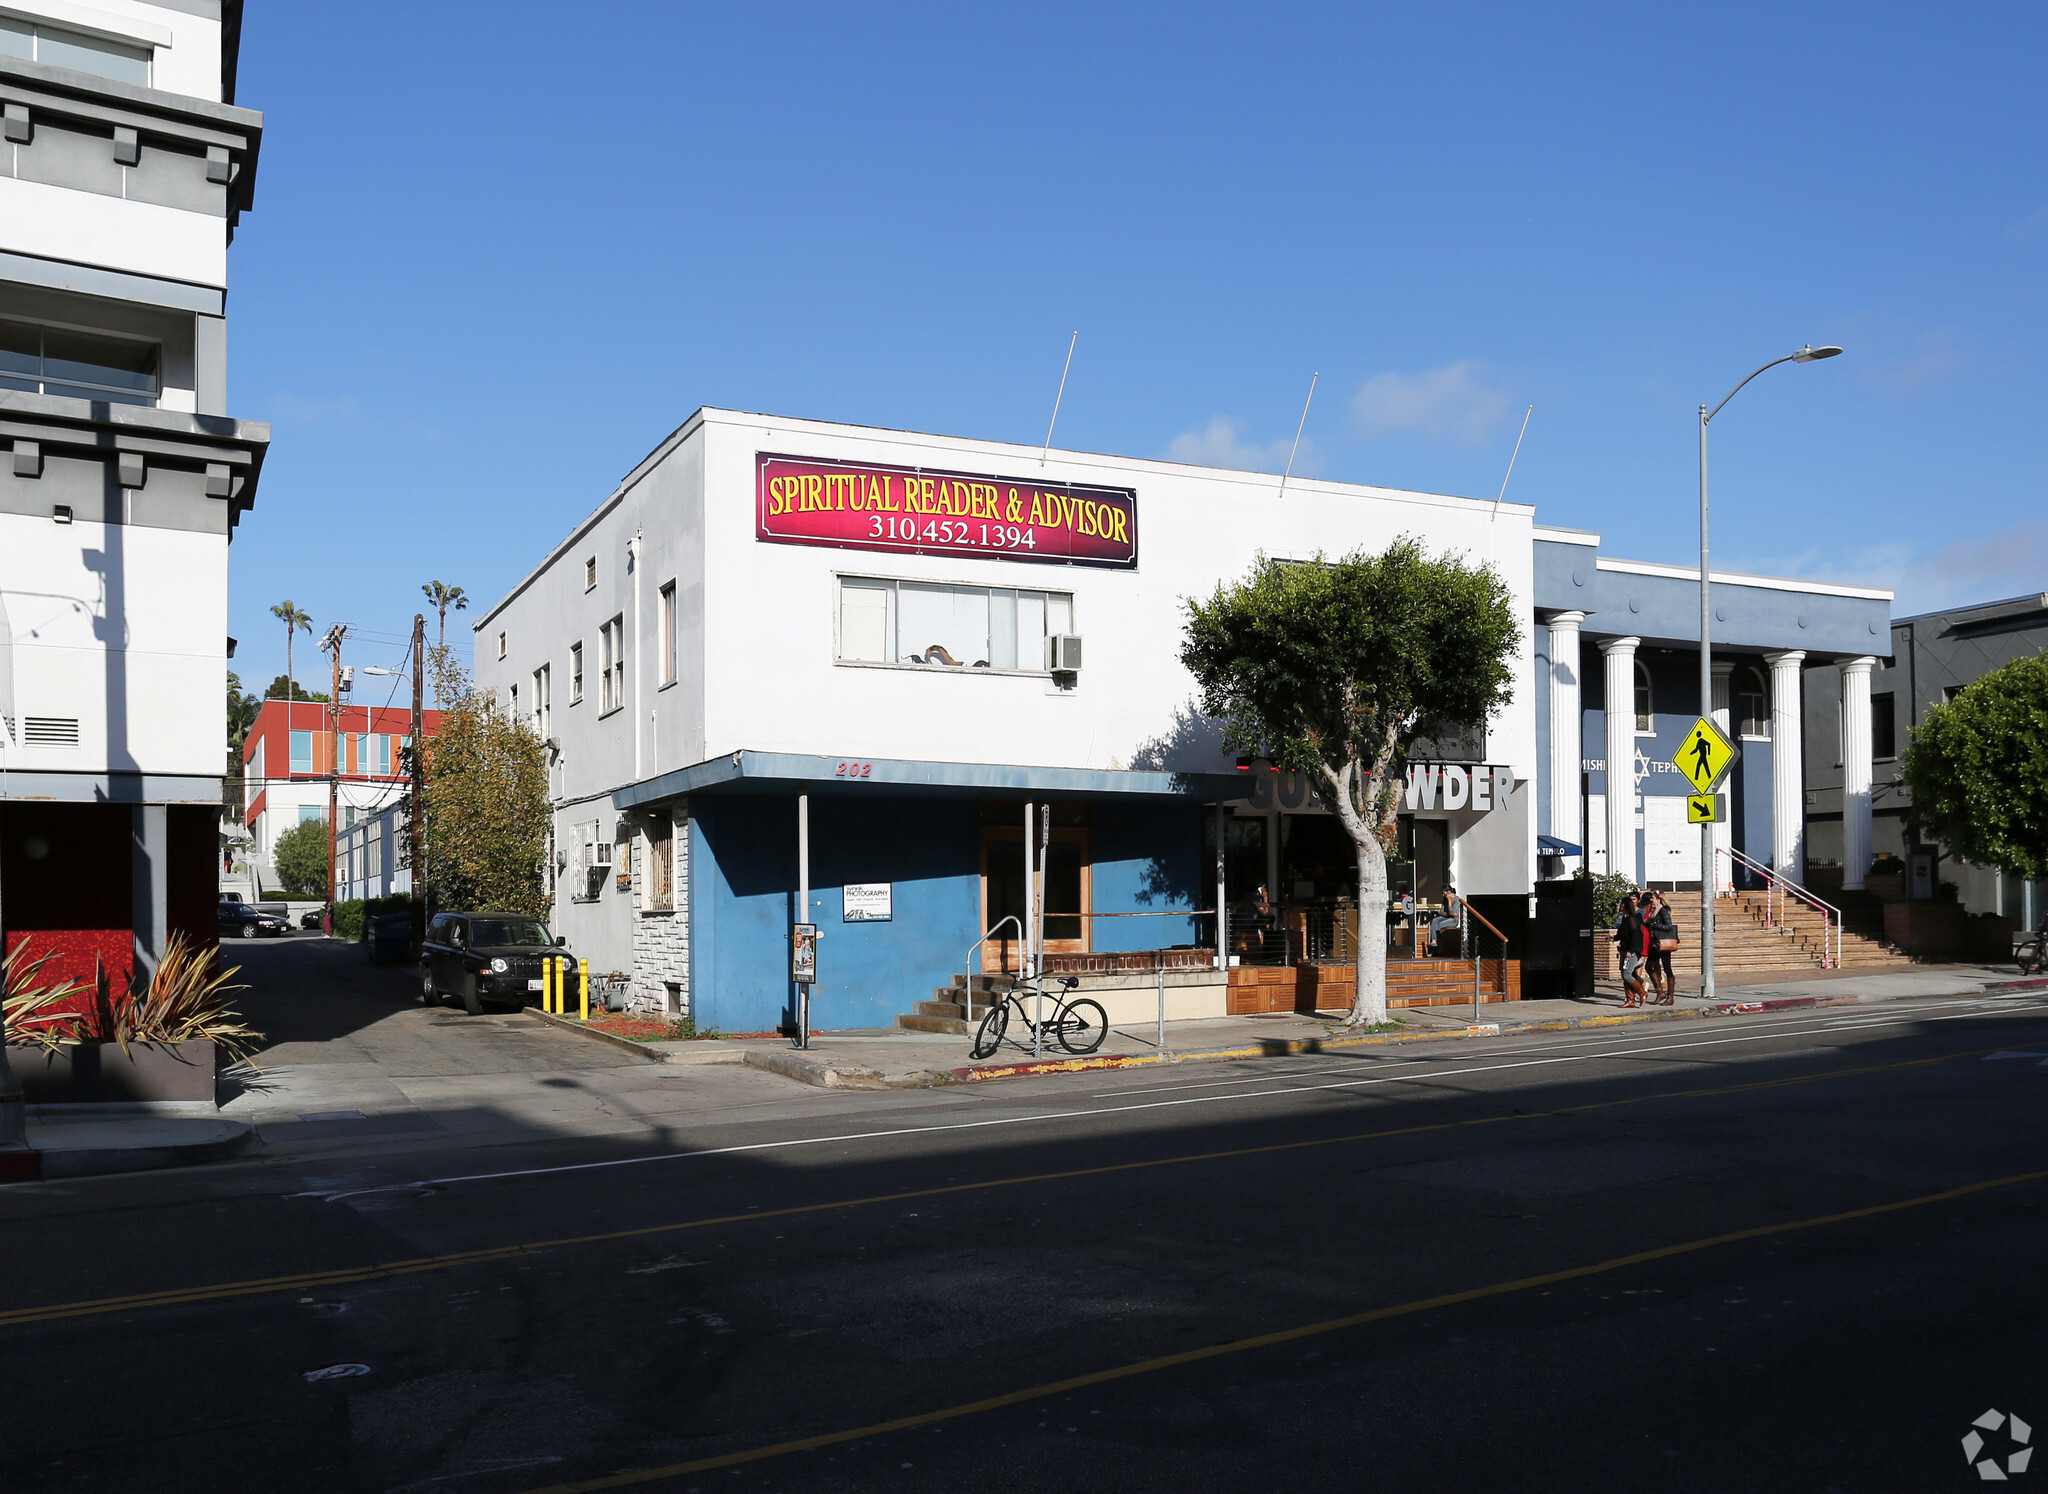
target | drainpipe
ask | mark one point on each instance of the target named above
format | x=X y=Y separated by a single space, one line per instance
x=633 y=548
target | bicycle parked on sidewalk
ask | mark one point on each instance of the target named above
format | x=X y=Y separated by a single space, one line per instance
x=2032 y=955
x=1077 y=1025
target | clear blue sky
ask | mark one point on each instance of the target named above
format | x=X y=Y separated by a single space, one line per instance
x=498 y=251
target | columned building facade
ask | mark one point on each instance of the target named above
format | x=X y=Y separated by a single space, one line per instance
x=125 y=167
x=1618 y=669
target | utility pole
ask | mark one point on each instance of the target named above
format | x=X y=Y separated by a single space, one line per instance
x=332 y=643
x=416 y=821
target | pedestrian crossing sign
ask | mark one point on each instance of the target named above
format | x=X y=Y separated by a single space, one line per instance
x=1706 y=755
x=1706 y=809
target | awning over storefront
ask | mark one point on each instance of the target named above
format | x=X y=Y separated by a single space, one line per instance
x=1550 y=845
x=747 y=772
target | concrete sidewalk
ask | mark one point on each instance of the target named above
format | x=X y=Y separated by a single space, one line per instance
x=88 y=1141
x=888 y=1057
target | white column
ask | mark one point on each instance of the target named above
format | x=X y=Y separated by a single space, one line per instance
x=1566 y=731
x=1621 y=757
x=1855 y=770
x=1724 y=864
x=1788 y=766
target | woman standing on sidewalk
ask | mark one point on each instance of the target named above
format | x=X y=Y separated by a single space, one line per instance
x=1632 y=939
x=1623 y=912
x=1663 y=938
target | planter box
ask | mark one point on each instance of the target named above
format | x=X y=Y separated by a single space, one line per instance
x=104 y=1074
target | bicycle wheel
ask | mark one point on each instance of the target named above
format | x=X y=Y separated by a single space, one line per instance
x=989 y=1036
x=1082 y=1026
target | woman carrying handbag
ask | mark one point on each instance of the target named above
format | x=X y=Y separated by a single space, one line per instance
x=1632 y=939
x=1663 y=938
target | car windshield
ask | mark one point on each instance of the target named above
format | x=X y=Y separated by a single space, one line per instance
x=492 y=933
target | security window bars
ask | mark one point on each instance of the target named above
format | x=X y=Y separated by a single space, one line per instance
x=948 y=627
x=661 y=861
x=79 y=365
x=57 y=46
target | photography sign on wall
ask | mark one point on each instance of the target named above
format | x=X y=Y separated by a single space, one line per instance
x=925 y=511
x=867 y=902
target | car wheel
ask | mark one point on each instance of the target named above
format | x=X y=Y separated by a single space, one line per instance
x=472 y=998
x=428 y=995
x=248 y=931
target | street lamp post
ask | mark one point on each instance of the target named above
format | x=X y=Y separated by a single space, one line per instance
x=1807 y=354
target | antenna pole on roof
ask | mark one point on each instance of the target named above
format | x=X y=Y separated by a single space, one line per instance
x=1511 y=465
x=1302 y=425
x=1058 y=397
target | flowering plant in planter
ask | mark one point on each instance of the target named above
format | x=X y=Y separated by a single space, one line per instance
x=184 y=1000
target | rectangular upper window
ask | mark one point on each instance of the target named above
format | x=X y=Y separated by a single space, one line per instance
x=611 y=665
x=1884 y=726
x=79 y=365
x=58 y=46
x=575 y=673
x=668 y=634
x=957 y=627
x=302 y=752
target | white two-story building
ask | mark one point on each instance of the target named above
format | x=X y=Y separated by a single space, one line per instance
x=914 y=637
x=124 y=168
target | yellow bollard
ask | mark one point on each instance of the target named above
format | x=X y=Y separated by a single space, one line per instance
x=547 y=985
x=583 y=985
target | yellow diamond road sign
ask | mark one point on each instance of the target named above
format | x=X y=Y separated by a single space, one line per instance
x=1705 y=756
x=1705 y=809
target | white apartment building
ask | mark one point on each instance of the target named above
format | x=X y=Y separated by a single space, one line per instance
x=124 y=169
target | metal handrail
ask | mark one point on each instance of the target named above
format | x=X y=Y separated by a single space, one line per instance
x=1776 y=883
x=968 y=966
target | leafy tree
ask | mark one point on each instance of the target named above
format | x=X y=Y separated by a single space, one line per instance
x=300 y=856
x=288 y=613
x=485 y=798
x=285 y=688
x=1978 y=770
x=1329 y=668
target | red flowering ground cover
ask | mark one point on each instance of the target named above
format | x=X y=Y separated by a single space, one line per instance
x=645 y=1030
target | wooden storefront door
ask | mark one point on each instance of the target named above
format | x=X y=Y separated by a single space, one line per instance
x=1068 y=892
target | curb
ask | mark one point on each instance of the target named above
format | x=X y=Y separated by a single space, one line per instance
x=790 y=1063
x=1284 y=1047
x=52 y=1163
x=568 y=1024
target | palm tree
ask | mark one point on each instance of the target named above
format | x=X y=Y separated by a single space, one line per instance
x=444 y=596
x=288 y=613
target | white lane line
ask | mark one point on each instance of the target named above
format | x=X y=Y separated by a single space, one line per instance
x=1893 y=1017
x=1034 y=1118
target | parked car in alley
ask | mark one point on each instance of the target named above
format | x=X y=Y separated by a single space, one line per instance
x=476 y=958
x=238 y=920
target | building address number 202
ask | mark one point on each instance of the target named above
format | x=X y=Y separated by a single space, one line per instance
x=855 y=770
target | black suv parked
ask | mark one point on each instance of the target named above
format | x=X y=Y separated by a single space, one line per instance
x=479 y=957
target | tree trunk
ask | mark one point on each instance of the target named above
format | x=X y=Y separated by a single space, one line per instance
x=1369 y=998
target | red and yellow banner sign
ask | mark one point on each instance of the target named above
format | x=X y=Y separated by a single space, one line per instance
x=923 y=511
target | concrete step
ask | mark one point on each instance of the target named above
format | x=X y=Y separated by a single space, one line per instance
x=933 y=1024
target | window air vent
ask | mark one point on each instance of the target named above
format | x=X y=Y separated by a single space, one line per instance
x=49 y=731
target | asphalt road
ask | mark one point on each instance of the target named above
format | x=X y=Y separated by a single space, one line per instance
x=1801 y=1253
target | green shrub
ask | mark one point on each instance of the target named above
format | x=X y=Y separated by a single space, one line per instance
x=352 y=919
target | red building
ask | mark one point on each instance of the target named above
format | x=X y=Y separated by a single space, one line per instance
x=290 y=754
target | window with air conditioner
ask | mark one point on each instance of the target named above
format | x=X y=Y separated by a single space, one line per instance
x=927 y=625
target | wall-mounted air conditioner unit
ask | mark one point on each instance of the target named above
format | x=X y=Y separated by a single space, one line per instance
x=1063 y=653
